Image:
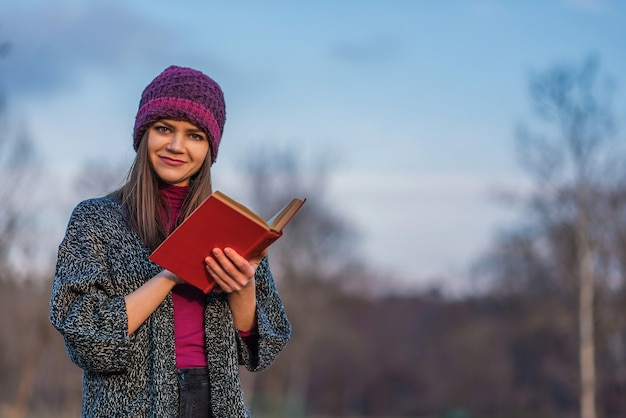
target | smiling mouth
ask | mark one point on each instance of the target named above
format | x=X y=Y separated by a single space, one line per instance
x=171 y=161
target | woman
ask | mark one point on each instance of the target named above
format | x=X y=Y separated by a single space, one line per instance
x=148 y=343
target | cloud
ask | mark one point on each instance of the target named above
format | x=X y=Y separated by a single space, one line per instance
x=372 y=50
x=51 y=44
x=486 y=8
x=594 y=6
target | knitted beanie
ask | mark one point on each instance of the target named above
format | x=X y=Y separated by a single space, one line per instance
x=183 y=94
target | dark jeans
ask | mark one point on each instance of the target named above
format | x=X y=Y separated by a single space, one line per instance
x=194 y=394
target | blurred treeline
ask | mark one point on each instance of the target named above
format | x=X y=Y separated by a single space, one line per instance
x=548 y=298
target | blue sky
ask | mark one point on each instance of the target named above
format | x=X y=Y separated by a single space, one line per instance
x=416 y=101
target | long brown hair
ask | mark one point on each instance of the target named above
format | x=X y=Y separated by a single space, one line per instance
x=142 y=201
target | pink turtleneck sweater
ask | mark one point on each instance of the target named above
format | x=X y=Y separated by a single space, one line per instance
x=188 y=300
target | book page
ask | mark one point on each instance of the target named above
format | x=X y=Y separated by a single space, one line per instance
x=241 y=208
x=278 y=221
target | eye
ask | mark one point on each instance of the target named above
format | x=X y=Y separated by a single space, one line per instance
x=196 y=137
x=161 y=129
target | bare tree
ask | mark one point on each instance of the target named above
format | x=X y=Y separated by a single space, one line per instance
x=312 y=262
x=567 y=158
x=18 y=171
x=98 y=178
x=22 y=315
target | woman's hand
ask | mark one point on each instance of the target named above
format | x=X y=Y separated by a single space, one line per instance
x=232 y=272
x=235 y=276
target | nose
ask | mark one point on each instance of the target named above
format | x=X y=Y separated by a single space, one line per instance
x=175 y=144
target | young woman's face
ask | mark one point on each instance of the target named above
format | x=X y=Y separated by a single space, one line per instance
x=176 y=150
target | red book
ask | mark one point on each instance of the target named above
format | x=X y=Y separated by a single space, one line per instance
x=219 y=222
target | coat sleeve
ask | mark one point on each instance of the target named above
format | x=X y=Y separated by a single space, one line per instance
x=274 y=329
x=84 y=307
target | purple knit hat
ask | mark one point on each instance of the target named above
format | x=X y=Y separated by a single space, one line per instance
x=183 y=94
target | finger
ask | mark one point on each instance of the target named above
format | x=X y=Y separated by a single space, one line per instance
x=214 y=261
x=215 y=271
x=227 y=264
x=214 y=268
x=225 y=273
x=243 y=266
x=237 y=271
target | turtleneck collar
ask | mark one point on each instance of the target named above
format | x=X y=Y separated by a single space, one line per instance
x=174 y=196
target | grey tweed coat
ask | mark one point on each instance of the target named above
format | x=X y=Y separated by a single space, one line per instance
x=99 y=261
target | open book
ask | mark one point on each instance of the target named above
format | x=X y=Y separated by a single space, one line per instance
x=219 y=222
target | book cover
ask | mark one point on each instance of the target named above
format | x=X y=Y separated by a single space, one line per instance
x=219 y=222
